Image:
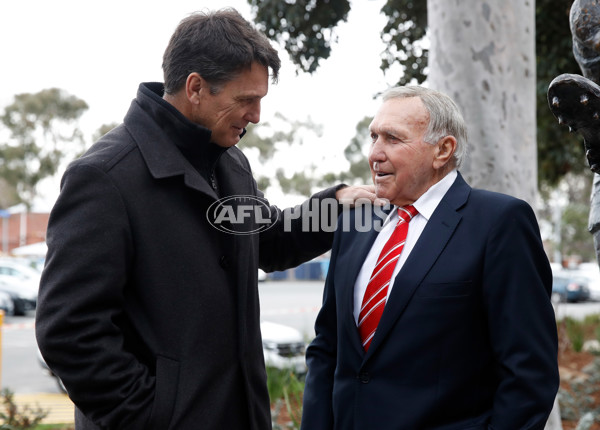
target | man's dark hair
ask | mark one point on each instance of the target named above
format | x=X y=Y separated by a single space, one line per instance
x=218 y=46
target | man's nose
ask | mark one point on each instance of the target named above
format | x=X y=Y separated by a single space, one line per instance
x=253 y=114
x=376 y=152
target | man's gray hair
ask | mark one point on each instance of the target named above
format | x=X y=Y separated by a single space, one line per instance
x=445 y=118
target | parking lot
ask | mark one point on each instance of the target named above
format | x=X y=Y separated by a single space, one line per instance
x=292 y=303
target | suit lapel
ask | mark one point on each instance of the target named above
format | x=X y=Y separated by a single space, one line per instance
x=431 y=243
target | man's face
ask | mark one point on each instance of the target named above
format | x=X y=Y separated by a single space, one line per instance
x=229 y=111
x=401 y=162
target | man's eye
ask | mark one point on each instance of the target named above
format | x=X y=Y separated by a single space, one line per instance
x=373 y=137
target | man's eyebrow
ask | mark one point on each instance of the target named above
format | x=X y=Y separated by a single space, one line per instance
x=389 y=130
x=249 y=97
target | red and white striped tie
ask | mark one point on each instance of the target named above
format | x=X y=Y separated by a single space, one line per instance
x=376 y=294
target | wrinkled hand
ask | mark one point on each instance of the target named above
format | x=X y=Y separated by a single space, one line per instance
x=359 y=194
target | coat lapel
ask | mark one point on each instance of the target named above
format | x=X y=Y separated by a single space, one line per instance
x=161 y=156
x=431 y=243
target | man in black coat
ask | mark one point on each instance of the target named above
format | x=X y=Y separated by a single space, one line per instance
x=148 y=306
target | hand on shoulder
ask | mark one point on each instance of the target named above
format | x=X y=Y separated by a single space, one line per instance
x=359 y=194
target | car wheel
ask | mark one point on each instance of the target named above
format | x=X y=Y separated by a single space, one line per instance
x=558 y=298
x=18 y=308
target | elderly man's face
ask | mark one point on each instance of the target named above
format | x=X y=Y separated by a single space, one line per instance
x=401 y=162
x=229 y=111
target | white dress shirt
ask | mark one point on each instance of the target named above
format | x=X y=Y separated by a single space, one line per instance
x=426 y=204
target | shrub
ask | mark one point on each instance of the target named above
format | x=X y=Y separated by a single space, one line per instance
x=575 y=332
x=285 y=391
x=11 y=418
x=577 y=403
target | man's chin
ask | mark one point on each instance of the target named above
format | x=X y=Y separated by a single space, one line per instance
x=381 y=192
x=385 y=194
x=228 y=143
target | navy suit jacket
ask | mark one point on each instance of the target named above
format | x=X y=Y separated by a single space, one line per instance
x=468 y=336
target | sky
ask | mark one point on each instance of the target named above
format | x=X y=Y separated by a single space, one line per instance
x=101 y=51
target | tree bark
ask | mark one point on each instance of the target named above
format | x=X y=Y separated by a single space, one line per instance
x=482 y=54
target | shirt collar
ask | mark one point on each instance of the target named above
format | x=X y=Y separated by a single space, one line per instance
x=429 y=201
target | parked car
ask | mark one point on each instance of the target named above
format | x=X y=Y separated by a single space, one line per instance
x=20 y=269
x=6 y=303
x=283 y=348
x=262 y=275
x=23 y=295
x=21 y=283
x=569 y=287
x=591 y=272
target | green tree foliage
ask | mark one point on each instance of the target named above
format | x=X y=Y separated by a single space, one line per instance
x=575 y=237
x=575 y=189
x=43 y=128
x=359 y=166
x=359 y=171
x=304 y=27
x=266 y=139
x=8 y=194
x=299 y=183
x=403 y=33
x=103 y=129
x=558 y=151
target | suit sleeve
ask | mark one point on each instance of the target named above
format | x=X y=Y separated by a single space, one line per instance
x=79 y=316
x=317 y=411
x=522 y=325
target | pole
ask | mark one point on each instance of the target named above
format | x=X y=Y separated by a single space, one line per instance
x=5 y=234
x=1 y=326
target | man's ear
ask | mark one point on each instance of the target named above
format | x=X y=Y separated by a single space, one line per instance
x=193 y=85
x=444 y=151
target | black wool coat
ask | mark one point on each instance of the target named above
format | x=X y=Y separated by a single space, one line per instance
x=148 y=313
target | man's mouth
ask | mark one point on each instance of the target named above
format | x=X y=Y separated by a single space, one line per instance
x=381 y=173
x=377 y=170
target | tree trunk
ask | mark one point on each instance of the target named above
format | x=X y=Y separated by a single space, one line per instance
x=483 y=55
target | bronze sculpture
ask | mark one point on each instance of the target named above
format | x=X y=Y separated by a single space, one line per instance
x=575 y=100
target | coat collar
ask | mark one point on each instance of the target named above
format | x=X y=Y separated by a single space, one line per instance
x=163 y=134
x=431 y=243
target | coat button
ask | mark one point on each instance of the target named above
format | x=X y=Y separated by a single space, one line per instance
x=224 y=262
x=364 y=377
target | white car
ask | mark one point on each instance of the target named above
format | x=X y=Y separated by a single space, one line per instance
x=262 y=275
x=283 y=347
x=23 y=294
x=6 y=303
x=21 y=282
x=591 y=272
x=19 y=269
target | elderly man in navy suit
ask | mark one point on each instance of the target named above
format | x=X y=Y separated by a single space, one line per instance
x=441 y=318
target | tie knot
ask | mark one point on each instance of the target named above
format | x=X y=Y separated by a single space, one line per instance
x=407 y=212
